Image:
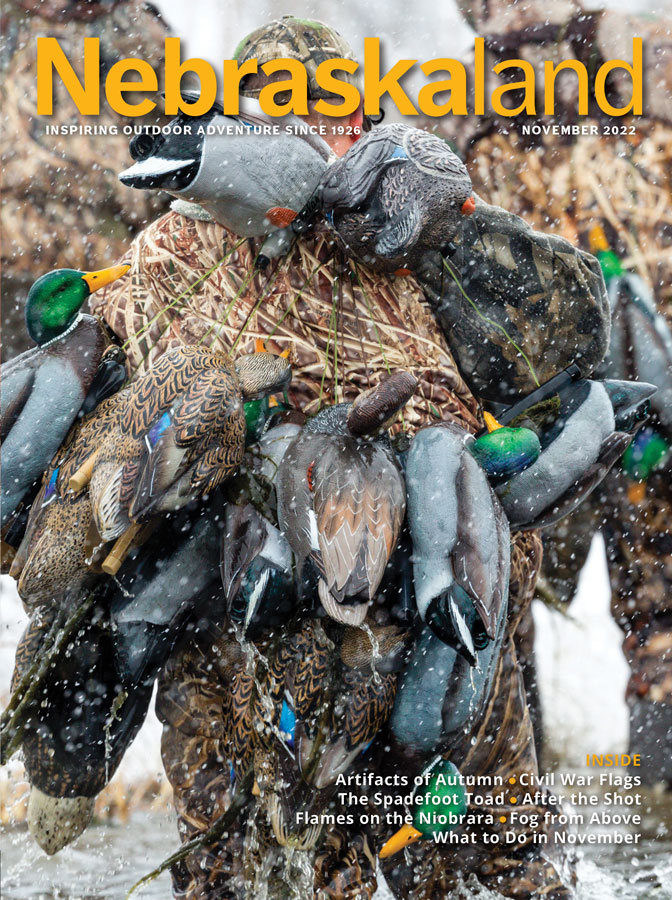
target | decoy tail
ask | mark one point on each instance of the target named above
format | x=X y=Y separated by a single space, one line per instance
x=55 y=822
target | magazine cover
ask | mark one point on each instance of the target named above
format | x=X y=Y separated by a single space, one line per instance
x=336 y=433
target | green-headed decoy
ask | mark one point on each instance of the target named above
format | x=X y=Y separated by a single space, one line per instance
x=439 y=805
x=583 y=431
x=45 y=388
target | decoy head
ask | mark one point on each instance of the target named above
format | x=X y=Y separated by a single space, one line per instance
x=374 y=410
x=648 y=451
x=504 y=451
x=631 y=402
x=55 y=299
x=261 y=373
x=168 y=161
x=440 y=804
x=398 y=193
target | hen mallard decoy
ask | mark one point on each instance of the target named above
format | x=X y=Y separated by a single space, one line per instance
x=45 y=388
x=170 y=437
x=300 y=705
x=398 y=193
x=460 y=535
x=341 y=497
x=250 y=182
x=583 y=430
x=439 y=805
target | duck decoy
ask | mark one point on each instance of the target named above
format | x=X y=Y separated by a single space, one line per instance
x=460 y=535
x=439 y=805
x=341 y=498
x=44 y=389
x=97 y=697
x=252 y=182
x=257 y=564
x=582 y=432
x=171 y=436
x=397 y=193
x=299 y=706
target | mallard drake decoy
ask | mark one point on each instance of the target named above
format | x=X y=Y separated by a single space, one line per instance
x=341 y=498
x=582 y=433
x=397 y=193
x=250 y=182
x=45 y=388
x=111 y=669
x=461 y=554
x=171 y=436
x=440 y=804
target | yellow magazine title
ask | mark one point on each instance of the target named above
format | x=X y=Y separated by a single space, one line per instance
x=452 y=90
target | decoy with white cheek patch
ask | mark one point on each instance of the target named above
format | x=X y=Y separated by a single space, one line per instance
x=460 y=535
x=251 y=181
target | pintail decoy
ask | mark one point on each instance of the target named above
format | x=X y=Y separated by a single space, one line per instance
x=341 y=497
x=44 y=389
x=398 y=193
x=582 y=431
x=251 y=182
x=440 y=804
x=460 y=535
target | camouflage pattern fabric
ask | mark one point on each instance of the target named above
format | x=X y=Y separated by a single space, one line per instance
x=567 y=185
x=517 y=305
x=305 y=40
x=51 y=216
x=193 y=282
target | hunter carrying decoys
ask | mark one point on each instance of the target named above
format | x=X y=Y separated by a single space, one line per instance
x=346 y=325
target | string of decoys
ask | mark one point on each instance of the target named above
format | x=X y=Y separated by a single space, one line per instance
x=640 y=347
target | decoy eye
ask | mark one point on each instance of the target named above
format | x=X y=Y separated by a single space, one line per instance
x=287 y=725
x=141 y=146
